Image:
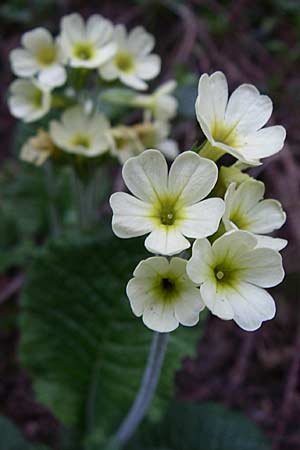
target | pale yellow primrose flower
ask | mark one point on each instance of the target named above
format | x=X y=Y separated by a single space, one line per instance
x=167 y=205
x=155 y=135
x=80 y=133
x=234 y=125
x=162 y=293
x=29 y=100
x=38 y=148
x=232 y=274
x=86 y=45
x=132 y=63
x=161 y=104
x=246 y=210
x=132 y=141
x=39 y=56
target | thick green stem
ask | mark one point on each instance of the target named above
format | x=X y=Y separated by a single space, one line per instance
x=146 y=391
x=210 y=152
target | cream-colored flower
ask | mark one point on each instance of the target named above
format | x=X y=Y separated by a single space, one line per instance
x=129 y=141
x=167 y=205
x=86 y=45
x=155 y=135
x=246 y=210
x=125 y=143
x=29 y=100
x=163 y=295
x=132 y=63
x=81 y=133
x=232 y=274
x=234 y=125
x=161 y=104
x=38 y=148
x=39 y=56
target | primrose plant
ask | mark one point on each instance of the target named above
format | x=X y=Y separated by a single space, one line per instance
x=207 y=227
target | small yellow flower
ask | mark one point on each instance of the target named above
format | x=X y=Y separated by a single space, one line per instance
x=38 y=148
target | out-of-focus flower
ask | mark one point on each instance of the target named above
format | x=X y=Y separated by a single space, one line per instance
x=125 y=143
x=129 y=141
x=39 y=56
x=80 y=133
x=29 y=100
x=155 y=135
x=163 y=294
x=246 y=210
x=86 y=45
x=232 y=273
x=235 y=125
x=162 y=104
x=38 y=148
x=168 y=206
x=132 y=63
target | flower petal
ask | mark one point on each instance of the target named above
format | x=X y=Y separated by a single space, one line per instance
x=277 y=244
x=160 y=317
x=199 y=266
x=146 y=175
x=233 y=244
x=53 y=76
x=211 y=101
x=148 y=67
x=133 y=81
x=261 y=266
x=202 y=219
x=188 y=307
x=140 y=42
x=166 y=241
x=252 y=305
x=23 y=63
x=247 y=110
x=152 y=266
x=191 y=177
x=36 y=39
x=139 y=295
x=263 y=143
x=266 y=216
x=215 y=301
x=130 y=216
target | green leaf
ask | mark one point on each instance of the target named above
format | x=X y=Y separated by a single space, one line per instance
x=206 y=426
x=85 y=349
x=12 y=439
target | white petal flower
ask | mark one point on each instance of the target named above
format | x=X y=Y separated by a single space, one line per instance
x=81 y=133
x=163 y=294
x=89 y=44
x=125 y=143
x=162 y=105
x=29 y=100
x=232 y=273
x=168 y=206
x=38 y=149
x=132 y=63
x=40 y=56
x=246 y=210
x=235 y=125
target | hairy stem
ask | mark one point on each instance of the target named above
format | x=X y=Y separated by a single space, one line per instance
x=146 y=391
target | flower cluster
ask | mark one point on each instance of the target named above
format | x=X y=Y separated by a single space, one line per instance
x=78 y=77
x=233 y=259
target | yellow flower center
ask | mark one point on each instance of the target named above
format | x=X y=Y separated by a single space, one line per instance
x=46 y=56
x=124 y=62
x=224 y=134
x=81 y=140
x=224 y=273
x=37 y=98
x=84 y=51
x=240 y=220
x=166 y=288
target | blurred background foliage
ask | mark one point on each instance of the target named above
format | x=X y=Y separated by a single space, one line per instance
x=258 y=374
